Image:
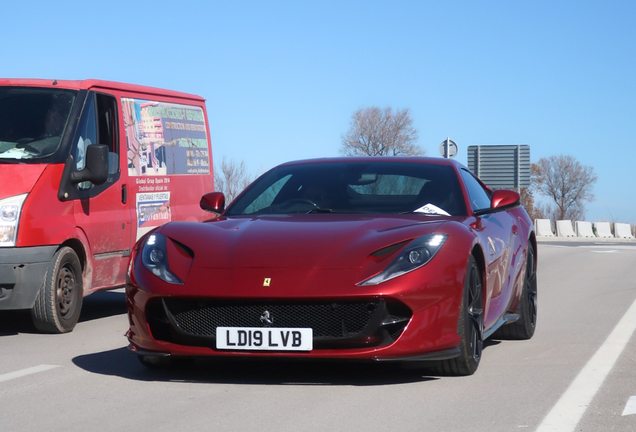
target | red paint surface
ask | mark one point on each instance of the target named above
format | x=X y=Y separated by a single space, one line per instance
x=103 y=225
x=324 y=257
x=17 y=179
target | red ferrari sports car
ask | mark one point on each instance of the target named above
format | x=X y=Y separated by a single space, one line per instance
x=386 y=259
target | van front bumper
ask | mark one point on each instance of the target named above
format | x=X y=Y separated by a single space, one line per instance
x=22 y=272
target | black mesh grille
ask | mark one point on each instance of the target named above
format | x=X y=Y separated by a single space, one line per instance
x=341 y=324
x=342 y=319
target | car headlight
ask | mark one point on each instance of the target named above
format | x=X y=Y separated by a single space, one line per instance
x=10 y=209
x=415 y=255
x=155 y=258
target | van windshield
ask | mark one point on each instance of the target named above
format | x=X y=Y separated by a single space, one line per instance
x=32 y=121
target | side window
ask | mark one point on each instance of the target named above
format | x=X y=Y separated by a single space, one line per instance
x=98 y=125
x=86 y=135
x=479 y=197
x=107 y=128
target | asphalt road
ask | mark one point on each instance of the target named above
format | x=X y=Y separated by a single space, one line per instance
x=569 y=377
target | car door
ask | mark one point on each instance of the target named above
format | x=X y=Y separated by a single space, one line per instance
x=101 y=211
x=495 y=231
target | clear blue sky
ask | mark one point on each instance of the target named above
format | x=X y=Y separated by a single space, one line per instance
x=282 y=78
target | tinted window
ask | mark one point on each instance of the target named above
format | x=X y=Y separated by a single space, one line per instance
x=266 y=198
x=353 y=187
x=479 y=197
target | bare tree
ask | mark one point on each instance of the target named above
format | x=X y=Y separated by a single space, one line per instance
x=231 y=178
x=567 y=183
x=377 y=132
x=535 y=210
x=527 y=201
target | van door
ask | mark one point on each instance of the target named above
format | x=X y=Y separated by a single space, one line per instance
x=101 y=211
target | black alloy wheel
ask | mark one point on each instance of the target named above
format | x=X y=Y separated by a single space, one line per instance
x=525 y=326
x=475 y=314
x=470 y=326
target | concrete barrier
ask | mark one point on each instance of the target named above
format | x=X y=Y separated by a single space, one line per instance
x=564 y=229
x=543 y=227
x=603 y=230
x=583 y=229
x=623 y=230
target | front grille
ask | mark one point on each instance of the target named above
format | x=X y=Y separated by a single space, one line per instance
x=335 y=324
x=326 y=319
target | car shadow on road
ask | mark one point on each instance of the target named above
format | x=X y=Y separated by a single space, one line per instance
x=101 y=304
x=13 y=322
x=124 y=364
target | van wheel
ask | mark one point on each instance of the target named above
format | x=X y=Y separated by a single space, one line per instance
x=59 y=301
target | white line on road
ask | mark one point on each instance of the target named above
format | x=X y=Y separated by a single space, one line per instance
x=630 y=408
x=567 y=412
x=25 y=372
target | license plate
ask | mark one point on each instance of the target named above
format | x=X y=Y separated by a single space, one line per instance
x=267 y=339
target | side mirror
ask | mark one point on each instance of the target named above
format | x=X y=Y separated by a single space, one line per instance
x=501 y=199
x=96 y=170
x=504 y=199
x=213 y=202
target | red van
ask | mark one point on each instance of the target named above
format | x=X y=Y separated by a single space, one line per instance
x=86 y=168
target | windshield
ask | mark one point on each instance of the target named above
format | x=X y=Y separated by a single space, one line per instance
x=354 y=187
x=32 y=121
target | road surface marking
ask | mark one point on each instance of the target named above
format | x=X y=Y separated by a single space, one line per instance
x=630 y=408
x=569 y=409
x=25 y=372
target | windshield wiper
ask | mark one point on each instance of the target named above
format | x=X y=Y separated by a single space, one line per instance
x=338 y=211
x=319 y=210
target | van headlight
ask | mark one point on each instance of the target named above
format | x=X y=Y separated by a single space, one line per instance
x=10 y=209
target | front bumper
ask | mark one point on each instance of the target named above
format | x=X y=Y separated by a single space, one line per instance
x=430 y=333
x=160 y=314
x=427 y=357
x=22 y=272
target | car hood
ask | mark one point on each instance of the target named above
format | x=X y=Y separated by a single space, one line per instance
x=17 y=179
x=297 y=241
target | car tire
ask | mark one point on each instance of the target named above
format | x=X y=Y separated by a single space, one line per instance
x=470 y=326
x=58 y=302
x=524 y=327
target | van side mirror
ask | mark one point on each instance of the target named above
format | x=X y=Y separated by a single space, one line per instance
x=501 y=199
x=96 y=169
x=213 y=202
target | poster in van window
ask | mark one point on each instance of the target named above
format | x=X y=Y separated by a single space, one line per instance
x=165 y=138
x=153 y=209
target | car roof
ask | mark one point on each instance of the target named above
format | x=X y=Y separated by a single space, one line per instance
x=383 y=159
x=89 y=84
